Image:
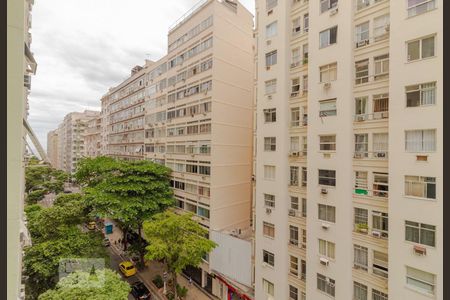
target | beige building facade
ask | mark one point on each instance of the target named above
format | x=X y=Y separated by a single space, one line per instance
x=52 y=147
x=349 y=171
x=93 y=137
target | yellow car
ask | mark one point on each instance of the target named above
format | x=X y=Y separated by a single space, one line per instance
x=91 y=225
x=127 y=268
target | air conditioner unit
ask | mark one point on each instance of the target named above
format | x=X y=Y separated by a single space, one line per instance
x=324 y=261
x=292 y=212
x=267 y=67
x=360 y=118
x=268 y=210
x=324 y=191
x=327 y=85
x=380 y=154
x=268 y=42
x=269 y=97
x=387 y=27
x=333 y=11
x=362 y=43
x=384 y=115
x=295 y=153
x=376 y=234
x=377 y=115
x=269 y=12
x=294 y=94
x=420 y=250
x=293 y=65
x=325 y=226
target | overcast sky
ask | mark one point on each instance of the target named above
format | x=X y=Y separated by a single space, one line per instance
x=83 y=47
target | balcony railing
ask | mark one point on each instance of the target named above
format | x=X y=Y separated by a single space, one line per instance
x=371 y=193
x=373 y=116
x=361 y=4
x=370 y=154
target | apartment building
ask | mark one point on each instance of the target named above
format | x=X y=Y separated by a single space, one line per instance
x=359 y=216
x=52 y=147
x=20 y=66
x=192 y=110
x=70 y=138
x=93 y=137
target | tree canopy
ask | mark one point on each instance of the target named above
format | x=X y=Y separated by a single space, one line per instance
x=177 y=239
x=105 y=284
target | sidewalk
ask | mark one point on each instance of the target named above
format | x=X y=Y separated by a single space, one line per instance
x=155 y=268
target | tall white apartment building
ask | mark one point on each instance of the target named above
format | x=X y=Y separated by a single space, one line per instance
x=192 y=110
x=359 y=217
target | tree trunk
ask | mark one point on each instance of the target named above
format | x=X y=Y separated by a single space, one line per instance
x=141 y=244
x=174 y=280
x=124 y=239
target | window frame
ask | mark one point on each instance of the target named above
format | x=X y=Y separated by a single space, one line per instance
x=420 y=49
x=328 y=32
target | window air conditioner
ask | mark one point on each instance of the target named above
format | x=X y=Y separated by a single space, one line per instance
x=333 y=11
x=327 y=85
x=292 y=212
x=269 y=12
x=360 y=118
x=325 y=226
x=324 y=191
x=269 y=97
x=376 y=234
x=296 y=153
x=362 y=43
x=324 y=261
x=387 y=27
x=380 y=154
x=293 y=65
x=420 y=250
x=268 y=210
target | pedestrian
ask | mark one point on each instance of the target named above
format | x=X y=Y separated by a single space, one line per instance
x=190 y=280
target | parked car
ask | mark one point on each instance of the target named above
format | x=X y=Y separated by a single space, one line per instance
x=140 y=291
x=127 y=268
x=106 y=242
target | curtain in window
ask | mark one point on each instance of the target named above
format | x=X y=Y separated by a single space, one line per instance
x=429 y=140
x=322 y=247
x=420 y=279
x=428 y=47
x=412 y=232
x=380 y=142
x=360 y=256
x=428 y=93
x=359 y=291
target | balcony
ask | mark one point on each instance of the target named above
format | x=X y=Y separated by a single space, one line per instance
x=362 y=4
x=379 y=155
x=371 y=117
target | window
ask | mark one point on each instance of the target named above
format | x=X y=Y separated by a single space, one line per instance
x=293 y=293
x=328 y=73
x=360 y=216
x=268 y=230
x=327 y=108
x=293 y=179
x=269 y=172
x=305 y=145
x=295 y=116
x=305 y=55
x=420 y=186
x=303 y=207
x=269 y=200
x=303 y=270
x=360 y=106
x=326 y=285
x=293 y=235
x=295 y=86
x=420 y=233
x=268 y=258
x=380 y=144
x=327 y=5
x=295 y=57
x=271 y=29
x=293 y=265
x=270 y=115
x=420 y=280
x=296 y=26
x=268 y=287
x=270 y=143
x=380 y=264
x=359 y=291
x=327 y=213
x=421 y=48
x=328 y=37
x=381 y=27
x=361 y=145
x=270 y=86
x=377 y=295
x=417 y=7
x=362 y=71
x=326 y=248
x=328 y=143
x=306 y=23
x=271 y=4
x=294 y=203
x=362 y=34
x=421 y=94
x=380 y=222
x=360 y=4
x=380 y=104
x=295 y=144
x=271 y=58
x=420 y=140
x=381 y=67
x=380 y=184
x=327 y=177
x=304 y=176
x=360 y=257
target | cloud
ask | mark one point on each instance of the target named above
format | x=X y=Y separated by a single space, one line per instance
x=84 y=47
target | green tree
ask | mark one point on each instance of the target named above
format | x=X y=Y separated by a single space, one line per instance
x=44 y=177
x=103 y=285
x=129 y=191
x=36 y=195
x=177 y=239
